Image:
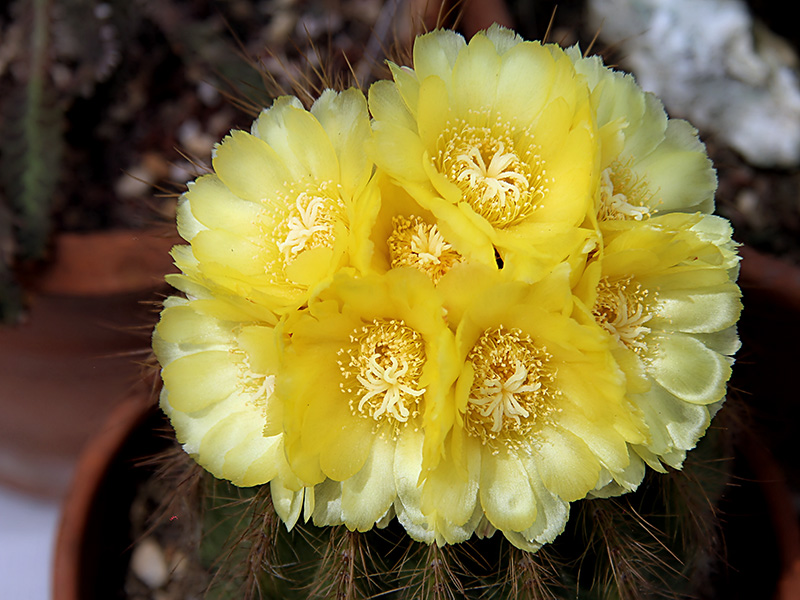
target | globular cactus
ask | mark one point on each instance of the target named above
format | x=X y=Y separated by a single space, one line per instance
x=457 y=335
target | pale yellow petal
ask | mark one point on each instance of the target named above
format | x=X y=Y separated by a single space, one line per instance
x=367 y=495
x=398 y=150
x=199 y=380
x=505 y=492
x=525 y=82
x=474 y=78
x=724 y=342
x=387 y=105
x=407 y=470
x=254 y=461
x=566 y=465
x=450 y=494
x=216 y=207
x=230 y=252
x=182 y=325
x=298 y=138
x=344 y=118
x=312 y=147
x=605 y=442
x=288 y=504
x=672 y=422
x=435 y=53
x=503 y=38
x=228 y=448
x=679 y=153
x=407 y=85
x=704 y=310
x=551 y=518
x=433 y=110
x=685 y=367
x=188 y=225
x=327 y=509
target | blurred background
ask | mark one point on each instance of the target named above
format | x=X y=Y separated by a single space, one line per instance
x=107 y=109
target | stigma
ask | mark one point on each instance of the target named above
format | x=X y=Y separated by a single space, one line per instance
x=623 y=195
x=382 y=374
x=415 y=243
x=622 y=309
x=514 y=387
x=498 y=170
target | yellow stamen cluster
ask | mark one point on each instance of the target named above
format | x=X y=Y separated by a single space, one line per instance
x=386 y=361
x=415 y=243
x=309 y=223
x=502 y=179
x=514 y=386
x=622 y=308
x=623 y=195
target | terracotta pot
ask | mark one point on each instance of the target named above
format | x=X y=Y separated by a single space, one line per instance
x=78 y=353
x=93 y=542
x=770 y=330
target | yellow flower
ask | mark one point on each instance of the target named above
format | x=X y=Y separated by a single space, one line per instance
x=504 y=296
x=289 y=205
x=219 y=359
x=370 y=361
x=407 y=235
x=541 y=415
x=496 y=139
x=650 y=164
x=664 y=290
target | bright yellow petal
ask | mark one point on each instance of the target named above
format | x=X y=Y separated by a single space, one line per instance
x=249 y=167
x=475 y=75
x=344 y=118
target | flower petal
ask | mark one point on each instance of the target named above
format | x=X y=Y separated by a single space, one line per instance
x=249 y=167
x=685 y=367
x=505 y=492
x=199 y=380
x=566 y=465
x=368 y=494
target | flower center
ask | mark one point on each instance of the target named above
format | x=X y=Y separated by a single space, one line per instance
x=309 y=224
x=623 y=195
x=386 y=362
x=514 y=386
x=621 y=309
x=415 y=243
x=500 y=178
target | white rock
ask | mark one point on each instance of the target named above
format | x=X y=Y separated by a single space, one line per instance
x=149 y=564
x=700 y=58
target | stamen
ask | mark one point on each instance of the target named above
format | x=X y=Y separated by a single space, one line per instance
x=386 y=360
x=623 y=195
x=621 y=309
x=501 y=179
x=514 y=387
x=309 y=223
x=415 y=243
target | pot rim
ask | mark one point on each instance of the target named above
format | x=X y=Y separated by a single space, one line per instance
x=90 y=470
